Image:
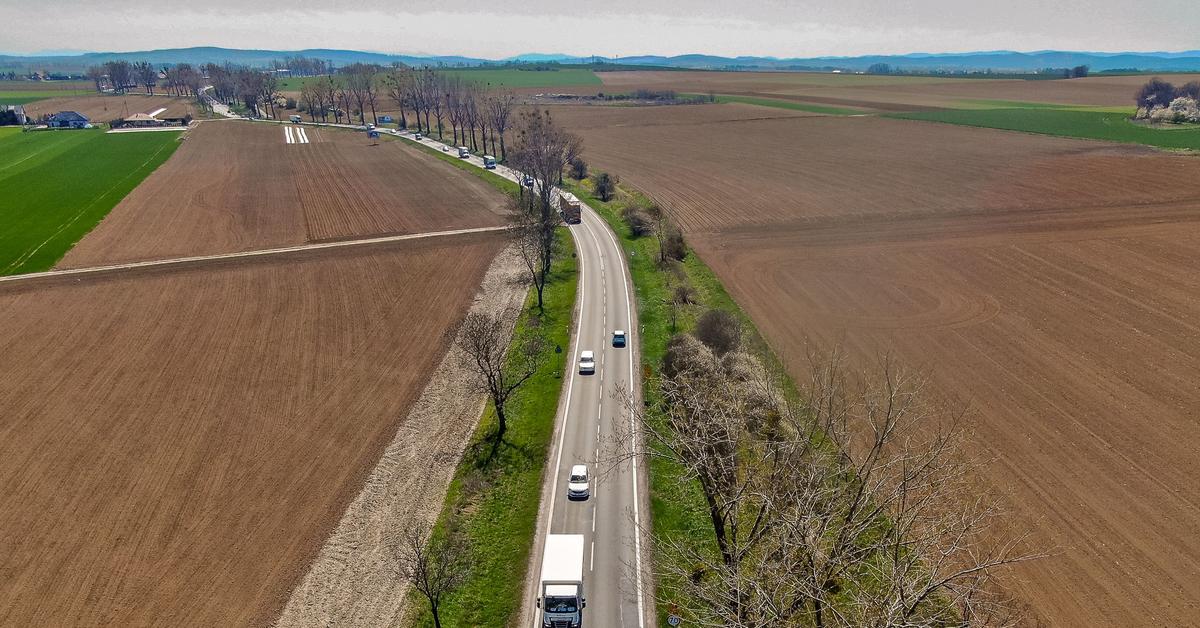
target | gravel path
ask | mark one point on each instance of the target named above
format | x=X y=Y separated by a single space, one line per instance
x=352 y=582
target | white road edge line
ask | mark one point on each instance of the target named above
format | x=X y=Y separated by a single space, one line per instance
x=637 y=521
x=570 y=387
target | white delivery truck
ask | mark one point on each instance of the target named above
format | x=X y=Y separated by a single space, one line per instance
x=560 y=594
x=464 y=152
x=489 y=162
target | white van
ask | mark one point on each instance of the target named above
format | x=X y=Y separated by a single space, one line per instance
x=464 y=152
x=489 y=162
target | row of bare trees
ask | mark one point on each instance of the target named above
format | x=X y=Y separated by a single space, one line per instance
x=851 y=507
x=477 y=117
x=255 y=90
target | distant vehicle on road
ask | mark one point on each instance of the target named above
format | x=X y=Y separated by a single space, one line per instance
x=577 y=484
x=464 y=152
x=294 y=119
x=619 y=338
x=416 y=136
x=560 y=594
x=587 y=362
x=489 y=162
x=526 y=180
x=370 y=126
x=569 y=206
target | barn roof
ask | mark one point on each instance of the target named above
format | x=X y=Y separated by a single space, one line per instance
x=69 y=116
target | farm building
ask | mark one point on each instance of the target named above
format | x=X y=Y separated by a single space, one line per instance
x=12 y=114
x=145 y=120
x=67 y=120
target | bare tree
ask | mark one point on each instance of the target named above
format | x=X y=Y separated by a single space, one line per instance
x=473 y=96
x=398 y=84
x=534 y=233
x=120 y=75
x=499 y=371
x=310 y=98
x=146 y=75
x=435 y=565
x=542 y=151
x=454 y=94
x=605 y=186
x=97 y=76
x=853 y=509
x=499 y=114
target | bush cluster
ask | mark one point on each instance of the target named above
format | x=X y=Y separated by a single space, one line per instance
x=1160 y=101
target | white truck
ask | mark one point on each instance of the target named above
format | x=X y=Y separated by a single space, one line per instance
x=560 y=594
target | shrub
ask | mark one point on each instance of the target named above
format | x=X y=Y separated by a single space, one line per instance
x=639 y=223
x=606 y=186
x=290 y=103
x=578 y=169
x=720 y=331
x=674 y=248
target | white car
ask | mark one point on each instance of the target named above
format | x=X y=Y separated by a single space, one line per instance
x=577 y=484
x=587 y=362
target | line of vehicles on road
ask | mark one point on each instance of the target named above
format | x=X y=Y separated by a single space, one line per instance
x=561 y=594
x=561 y=586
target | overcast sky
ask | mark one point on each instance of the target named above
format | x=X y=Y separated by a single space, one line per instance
x=502 y=28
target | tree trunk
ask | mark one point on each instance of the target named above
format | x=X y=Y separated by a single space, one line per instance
x=437 y=620
x=503 y=154
x=501 y=419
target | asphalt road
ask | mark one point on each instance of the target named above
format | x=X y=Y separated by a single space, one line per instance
x=616 y=582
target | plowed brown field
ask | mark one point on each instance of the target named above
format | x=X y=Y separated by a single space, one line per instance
x=1049 y=284
x=886 y=92
x=176 y=444
x=106 y=108
x=238 y=186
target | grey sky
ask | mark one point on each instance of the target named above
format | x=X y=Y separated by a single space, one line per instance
x=614 y=27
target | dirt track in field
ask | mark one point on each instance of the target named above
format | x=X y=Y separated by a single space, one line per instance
x=107 y=108
x=203 y=429
x=1050 y=285
x=888 y=92
x=237 y=186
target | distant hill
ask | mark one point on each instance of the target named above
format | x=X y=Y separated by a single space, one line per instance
x=998 y=61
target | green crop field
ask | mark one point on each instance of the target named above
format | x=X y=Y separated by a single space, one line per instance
x=55 y=186
x=23 y=98
x=509 y=77
x=497 y=77
x=784 y=104
x=1096 y=124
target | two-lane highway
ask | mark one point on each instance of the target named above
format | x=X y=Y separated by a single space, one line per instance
x=610 y=518
x=616 y=582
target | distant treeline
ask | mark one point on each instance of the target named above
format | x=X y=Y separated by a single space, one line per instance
x=1078 y=71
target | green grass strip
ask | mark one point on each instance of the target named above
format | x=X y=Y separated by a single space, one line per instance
x=677 y=507
x=56 y=186
x=784 y=104
x=1087 y=124
x=496 y=504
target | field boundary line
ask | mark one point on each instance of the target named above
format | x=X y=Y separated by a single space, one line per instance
x=247 y=254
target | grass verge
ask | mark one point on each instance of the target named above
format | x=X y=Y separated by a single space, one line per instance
x=56 y=186
x=496 y=503
x=1112 y=126
x=677 y=507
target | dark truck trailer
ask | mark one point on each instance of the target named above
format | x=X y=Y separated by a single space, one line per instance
x=569 y=206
